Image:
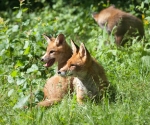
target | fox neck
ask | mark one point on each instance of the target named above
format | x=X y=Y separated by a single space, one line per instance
x=85 y=74
x=90 y=78
x=94 y=74
x=65 y=55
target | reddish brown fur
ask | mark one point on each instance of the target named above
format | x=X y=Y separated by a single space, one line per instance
x=88 y=71
x=125 y=22
x=56 y=87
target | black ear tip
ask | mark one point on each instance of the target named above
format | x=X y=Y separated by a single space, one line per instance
x=75 y=44
x=61 y=36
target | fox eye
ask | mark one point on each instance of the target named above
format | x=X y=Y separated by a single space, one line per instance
x=52 y=51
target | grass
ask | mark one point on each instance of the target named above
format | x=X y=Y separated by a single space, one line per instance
x=22 y=75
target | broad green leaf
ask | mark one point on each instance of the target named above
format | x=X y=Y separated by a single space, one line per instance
x=10 y=92
x=21 y=102
x=25 y=9
x=26 y=44
x=26 y=23
x=19 y=63
x=20 y=81
x=15 y=28
x=19 y=14
x=27 y=51
x=15 y=7
x=39 y=73
x=148 y=18
x=33 y=68
x=14 y=73
x=2 y=52
x=10 y=79
x=142 y=4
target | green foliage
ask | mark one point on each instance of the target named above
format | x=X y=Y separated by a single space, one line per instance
x=22 y=75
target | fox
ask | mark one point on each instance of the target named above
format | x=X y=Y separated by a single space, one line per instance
x=56 y=87
x=125 y=23
x=93 y=81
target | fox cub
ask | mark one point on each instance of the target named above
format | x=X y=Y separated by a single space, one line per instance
x=125 y=23
x=56 y=87
x=92 y=78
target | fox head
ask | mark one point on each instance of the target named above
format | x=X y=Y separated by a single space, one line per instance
x=78 y=63
x=55 y=49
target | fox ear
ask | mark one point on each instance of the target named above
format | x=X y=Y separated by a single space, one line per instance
x=75 y=48
x=60 y=39
x=82 y=51
x=47 y=38
x=112 y=6
x=95 y=16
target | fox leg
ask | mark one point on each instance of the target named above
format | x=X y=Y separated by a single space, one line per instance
x=80 y=95
x=47 y=102
x=81 y=90
x=118 y=40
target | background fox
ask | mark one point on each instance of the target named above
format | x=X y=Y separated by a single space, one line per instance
x=124 y=22
x=89 y=72
x=56 y=87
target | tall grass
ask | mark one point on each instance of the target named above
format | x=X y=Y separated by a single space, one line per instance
x=22 y=75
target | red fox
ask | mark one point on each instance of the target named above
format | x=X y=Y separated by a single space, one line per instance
x=93 y=80
x=56 y=87
x=124 y=22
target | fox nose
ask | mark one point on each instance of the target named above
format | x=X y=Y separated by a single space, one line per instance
x=62 y=73
x=42 y=59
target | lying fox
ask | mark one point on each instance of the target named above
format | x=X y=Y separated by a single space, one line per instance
x=93 y=80
x=56 y=87
x=124 y=22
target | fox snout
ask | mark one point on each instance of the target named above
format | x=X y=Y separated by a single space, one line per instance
x=45 y=58
x=62 y=73
x=42 y=59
